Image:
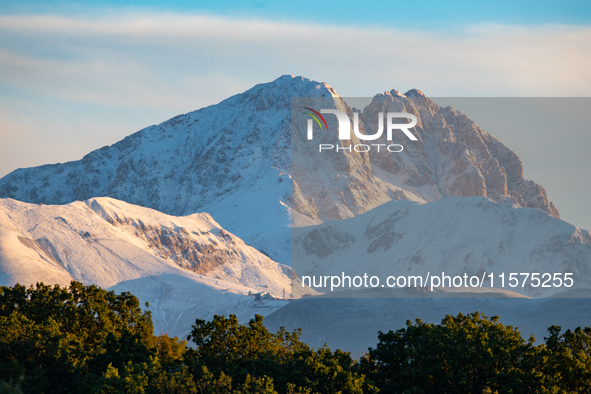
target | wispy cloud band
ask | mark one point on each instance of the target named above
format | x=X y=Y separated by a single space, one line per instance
x=125 y=71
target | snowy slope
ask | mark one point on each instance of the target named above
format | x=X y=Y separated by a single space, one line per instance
x=196 y=243
x=106 y=241
x=185 y=267
x=233 y=160
x=455 y=235
x=353 y=324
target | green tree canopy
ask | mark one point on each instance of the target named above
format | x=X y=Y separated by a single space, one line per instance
x=246 y=352
x=55 y=337
x=83 y=339
x=463 y=354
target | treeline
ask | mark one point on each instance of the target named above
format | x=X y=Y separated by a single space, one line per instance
x=87 y=340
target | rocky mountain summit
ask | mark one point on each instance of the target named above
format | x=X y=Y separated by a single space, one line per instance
x=225 y=158
x=233 y=161
x=463 y=160
x=452 y=156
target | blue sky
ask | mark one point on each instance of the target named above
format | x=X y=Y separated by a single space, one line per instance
x=415 y=14
x=75 y=76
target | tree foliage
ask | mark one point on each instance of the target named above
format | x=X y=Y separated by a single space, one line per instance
x=467 y=353
x=83 y=339
x=55 y=337
x=250 y=353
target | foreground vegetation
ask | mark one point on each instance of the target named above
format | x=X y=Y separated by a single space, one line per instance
x=87 y=340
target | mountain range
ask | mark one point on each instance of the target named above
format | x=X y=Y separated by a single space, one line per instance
x=199 y=213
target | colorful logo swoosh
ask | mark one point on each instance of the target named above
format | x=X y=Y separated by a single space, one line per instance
x=317 y=115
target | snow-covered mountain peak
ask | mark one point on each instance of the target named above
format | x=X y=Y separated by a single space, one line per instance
x=304 y=86
x=233 y=160
x=277 y=94
x=451 y=156
x=392 y=92
x=117 y=211
x=414 y=93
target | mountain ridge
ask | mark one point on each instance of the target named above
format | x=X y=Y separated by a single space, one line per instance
x=105 y=241
x=456 y=235
x=233 y=160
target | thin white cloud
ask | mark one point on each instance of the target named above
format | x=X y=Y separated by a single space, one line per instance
x=127 y=71
x=116 y=60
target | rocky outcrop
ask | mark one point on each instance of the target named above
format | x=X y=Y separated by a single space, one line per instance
x=462 y=159
x=200 y=252
x=451 y=157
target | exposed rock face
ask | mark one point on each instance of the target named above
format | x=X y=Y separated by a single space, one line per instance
x=199 y=251
x=451 y=157
x=233 y=160
x=485 y=166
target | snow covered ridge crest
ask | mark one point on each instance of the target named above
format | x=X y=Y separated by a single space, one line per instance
x=233 y=160
x=105 y=241
x=469 y=235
